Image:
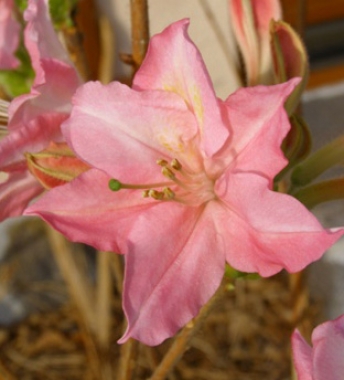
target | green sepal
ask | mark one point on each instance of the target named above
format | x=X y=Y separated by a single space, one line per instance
x=297 y=145
x=17 y=82
x=21 y=5
x=290 y=60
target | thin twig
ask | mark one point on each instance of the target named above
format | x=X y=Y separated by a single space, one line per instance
x=139 y=31
x=104 y=291
x=182 y=341
x=108 y=41
x=77 y=283
x=128 y=356
x=117 y=270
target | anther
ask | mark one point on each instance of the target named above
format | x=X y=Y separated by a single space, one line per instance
x=168 y=173
x=158 y=195
x=145 y=194
x=168 y=193
x=162 y=162
x=175 y=164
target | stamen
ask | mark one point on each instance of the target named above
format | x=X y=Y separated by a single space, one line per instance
x=158 y=195
x=162 y=162
x=176 y=164
x=168 y=193
x=168 y=173
x=116 y=185
x=189 y=188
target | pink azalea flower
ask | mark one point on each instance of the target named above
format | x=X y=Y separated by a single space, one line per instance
x=325 y=359
x=35 y=118
x=9 y=36
x=251 y=26
x=194 y=179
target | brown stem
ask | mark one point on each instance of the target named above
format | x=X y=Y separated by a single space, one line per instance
x=77 y=283
x=106 y=63
x=73 y=41
x=182 y=341
x=117 y=271
x=128 y=356
x=139 y=31
x=104 y=290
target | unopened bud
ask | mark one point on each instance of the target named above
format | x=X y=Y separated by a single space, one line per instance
x=55 y=165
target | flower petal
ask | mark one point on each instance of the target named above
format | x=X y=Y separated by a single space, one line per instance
x=52 y=97
x=16 y=192
x=244 y=28
x=328 y=348
x=171 y=274
x=302 y=355
x=41 y=39
x=173 y=63
x=85 y=210
x=31 y=137
x=251 y=25
x=259 y=124
x=264 y=12
x=9 y=36
x=132 y=129
x=268 y=231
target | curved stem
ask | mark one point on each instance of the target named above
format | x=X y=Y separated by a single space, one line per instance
x=128 y=356
x=182 y=341
x=77 y=283
x=104 y=291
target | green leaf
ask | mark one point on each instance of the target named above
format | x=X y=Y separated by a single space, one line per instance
x=321 y=192
x=21 y=5
x=318 y=162
x=61 y=12
x=17 y=82
x=234 y=274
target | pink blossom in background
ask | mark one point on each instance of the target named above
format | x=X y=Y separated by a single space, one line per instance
x=35 y=118
x=251 y=25
x=194 y=175
x=9 y=36
x=323 y=361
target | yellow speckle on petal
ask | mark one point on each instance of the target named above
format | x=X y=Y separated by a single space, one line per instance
x=169 y=140
x=198 y=106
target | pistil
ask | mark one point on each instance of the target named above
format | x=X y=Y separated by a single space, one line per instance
x=187 y=188
x=116 y=185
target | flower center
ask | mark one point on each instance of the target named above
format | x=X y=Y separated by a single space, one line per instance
x=181 y=186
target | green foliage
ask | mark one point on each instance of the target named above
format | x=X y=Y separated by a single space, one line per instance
x=61 y=12
x=21 y=5
x=18 y=82
x=234 y=274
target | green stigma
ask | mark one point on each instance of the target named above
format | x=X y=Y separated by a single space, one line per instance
x=115 y=185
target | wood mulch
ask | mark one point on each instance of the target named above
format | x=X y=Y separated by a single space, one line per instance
x=246 y=337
